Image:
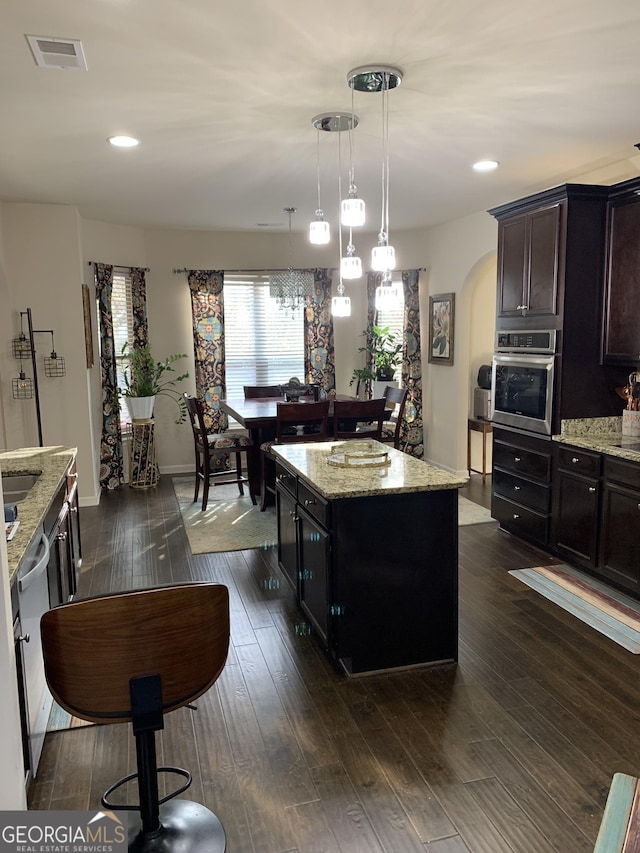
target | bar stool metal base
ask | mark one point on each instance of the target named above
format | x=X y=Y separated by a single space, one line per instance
x=184 y=826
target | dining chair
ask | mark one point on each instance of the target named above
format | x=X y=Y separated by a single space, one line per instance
x=254 y=392
x=396 y=399
x=133 y=657
x=214 y=446
x=295 y=422
x=358 y=418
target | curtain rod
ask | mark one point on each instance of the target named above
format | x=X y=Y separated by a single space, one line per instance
x=238 y=272
x=122 y=266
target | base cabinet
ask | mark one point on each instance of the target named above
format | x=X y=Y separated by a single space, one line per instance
x=521 y=493
x=620 y=522
x=376 y=576
x=576 y=496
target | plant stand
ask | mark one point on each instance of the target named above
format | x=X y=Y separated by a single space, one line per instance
x=143 y=468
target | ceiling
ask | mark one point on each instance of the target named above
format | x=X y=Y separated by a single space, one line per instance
x=222 y=96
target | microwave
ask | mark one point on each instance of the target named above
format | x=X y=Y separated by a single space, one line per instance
x=522 y=390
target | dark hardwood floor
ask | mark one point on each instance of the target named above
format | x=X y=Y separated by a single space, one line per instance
x=513 y=749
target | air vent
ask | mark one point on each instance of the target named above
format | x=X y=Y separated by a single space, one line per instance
x=57 y=53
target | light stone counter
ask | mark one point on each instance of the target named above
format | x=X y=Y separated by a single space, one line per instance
x=602 y=435
x=404 y=474
x=51 y=463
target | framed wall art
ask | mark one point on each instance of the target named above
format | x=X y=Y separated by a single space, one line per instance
x=441 y=326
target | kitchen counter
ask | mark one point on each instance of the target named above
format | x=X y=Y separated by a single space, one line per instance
x=404 y=475
x=51 y=463
x=602 y=435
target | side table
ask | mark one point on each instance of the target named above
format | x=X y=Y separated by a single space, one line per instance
x=485 y=427
x=143 y=469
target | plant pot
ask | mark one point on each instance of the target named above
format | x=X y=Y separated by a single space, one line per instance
x=140 y=408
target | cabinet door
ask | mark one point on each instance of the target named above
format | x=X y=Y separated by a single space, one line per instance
x=511 y=266
x=314 y=550
x=575 y=517
x=18 y=640
x=75 y=543
x=621 y=344
x=619 y=535
x=541 y=291
x=287 y=534
x=60 y=573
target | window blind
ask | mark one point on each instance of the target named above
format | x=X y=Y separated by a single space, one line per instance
x=393 y=317
x=264 y=345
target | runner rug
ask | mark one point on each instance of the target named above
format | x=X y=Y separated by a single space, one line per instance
x=610 y=612
x=232 y=523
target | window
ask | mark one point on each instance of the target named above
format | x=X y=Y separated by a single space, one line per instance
x=393 y=317
x=264 y=345
x=122 y=314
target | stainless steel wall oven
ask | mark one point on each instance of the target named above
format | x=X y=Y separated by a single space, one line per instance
x=522 y=379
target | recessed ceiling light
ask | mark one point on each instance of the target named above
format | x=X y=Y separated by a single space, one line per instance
x=485 y=165
x=124 y=141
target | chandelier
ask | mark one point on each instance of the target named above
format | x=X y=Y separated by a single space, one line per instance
x=291 y=287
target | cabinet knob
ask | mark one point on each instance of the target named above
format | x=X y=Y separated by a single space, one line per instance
x=592 y=489
x=517 y=488
x=575 y=460
x=516 y=459
x=308 y=502
x=515 y=516
x=62 y=537
x=25 y=638
x=280 y=476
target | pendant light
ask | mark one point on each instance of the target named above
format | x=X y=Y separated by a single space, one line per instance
x=340 y=304
x=291 y=287
x=380 y=78
x=319 y=231
x=352 y=209
x=387 y=292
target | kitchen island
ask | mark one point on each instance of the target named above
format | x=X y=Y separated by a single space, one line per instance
x=372 y=555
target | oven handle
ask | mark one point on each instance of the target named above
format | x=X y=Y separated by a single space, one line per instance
x=39 y=568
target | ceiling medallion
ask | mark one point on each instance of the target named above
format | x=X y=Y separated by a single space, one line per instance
x=374 y=78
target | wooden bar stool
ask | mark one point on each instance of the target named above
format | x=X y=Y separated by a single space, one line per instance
x=133 y=657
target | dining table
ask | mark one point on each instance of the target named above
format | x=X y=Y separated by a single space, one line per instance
x=258 y=416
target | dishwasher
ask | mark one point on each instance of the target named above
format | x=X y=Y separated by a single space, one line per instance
x=33 y=597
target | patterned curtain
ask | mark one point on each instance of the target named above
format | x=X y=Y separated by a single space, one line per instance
x=111 y=469
x=319 y=358
x=411 y=432
x=139 y=306
x=207 y=308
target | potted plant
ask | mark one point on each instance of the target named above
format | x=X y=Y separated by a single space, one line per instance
x=384 y=354
x=145 y=378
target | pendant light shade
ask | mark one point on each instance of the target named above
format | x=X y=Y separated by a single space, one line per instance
x=353 y=210
x=383 y=257
x=319 y=230
x=387 y=294
x=341 y=305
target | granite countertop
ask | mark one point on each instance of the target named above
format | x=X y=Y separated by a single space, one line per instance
x=404 y=474
x=602 y=435
x=51 y=463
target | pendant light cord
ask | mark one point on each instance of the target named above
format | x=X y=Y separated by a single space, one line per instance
x=318 y=168
x=340 y=284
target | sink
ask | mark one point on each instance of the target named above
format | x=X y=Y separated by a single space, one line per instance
x=16 y=487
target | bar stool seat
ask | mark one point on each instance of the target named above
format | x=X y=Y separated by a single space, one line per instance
x=133 y=657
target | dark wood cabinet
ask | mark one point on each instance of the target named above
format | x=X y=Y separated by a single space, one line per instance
x=621 y=326
x=528 y=263
x=521 y=493
x=620 y=522
x=375 y=576
x=576 y=494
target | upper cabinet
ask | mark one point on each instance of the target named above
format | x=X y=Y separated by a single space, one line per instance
x=528 y=260
x=621 y=322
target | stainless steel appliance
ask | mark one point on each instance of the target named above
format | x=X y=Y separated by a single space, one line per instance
x=522 y=380
x=482 y=404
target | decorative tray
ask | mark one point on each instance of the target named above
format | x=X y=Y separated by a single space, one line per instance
x=363 y=454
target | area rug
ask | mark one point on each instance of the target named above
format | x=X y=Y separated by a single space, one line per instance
x=471 y=513
x=610 y=612
x=229 y=523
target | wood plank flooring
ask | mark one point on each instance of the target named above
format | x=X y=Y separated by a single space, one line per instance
x=511 y=750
